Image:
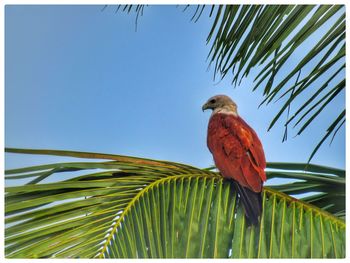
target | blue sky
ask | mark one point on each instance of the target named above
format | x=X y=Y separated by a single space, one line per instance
x=80 y=79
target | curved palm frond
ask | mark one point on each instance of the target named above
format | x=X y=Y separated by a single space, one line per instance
x=269 y=37
x=321 y=186
x=199 y=217
x=135 y=207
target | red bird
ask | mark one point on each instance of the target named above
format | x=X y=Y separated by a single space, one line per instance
x=237 y=152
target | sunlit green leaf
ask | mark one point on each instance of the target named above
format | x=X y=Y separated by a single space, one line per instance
x=146 y=208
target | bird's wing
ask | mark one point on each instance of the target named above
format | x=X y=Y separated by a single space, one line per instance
x=237 y=150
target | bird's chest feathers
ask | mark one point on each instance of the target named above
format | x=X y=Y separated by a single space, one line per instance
x=221 y=125
x=217 y=129
x=228 y=133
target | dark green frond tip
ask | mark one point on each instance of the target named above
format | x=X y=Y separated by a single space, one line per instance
x=141 y=208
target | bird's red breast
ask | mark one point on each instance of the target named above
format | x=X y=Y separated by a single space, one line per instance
x=237 y=150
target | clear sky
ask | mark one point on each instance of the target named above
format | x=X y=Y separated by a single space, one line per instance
x=80 y=79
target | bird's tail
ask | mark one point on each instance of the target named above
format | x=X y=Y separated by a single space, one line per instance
x=252 y=203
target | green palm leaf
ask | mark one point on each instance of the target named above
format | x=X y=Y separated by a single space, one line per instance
x=207 y=225
x=321 y=186
x=268 y=37
x=134 y=207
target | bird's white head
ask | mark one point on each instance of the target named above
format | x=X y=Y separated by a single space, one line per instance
x=222 y=104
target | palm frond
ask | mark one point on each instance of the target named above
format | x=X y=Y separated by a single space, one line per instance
x=135 y=207
x=268 y=38
x=323 y=186
x=138 y=10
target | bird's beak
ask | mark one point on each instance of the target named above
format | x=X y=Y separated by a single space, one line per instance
x=205 y=107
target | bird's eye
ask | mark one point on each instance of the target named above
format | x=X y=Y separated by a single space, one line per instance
x=212 y=101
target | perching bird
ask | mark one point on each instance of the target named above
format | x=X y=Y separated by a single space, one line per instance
x=238 y=153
